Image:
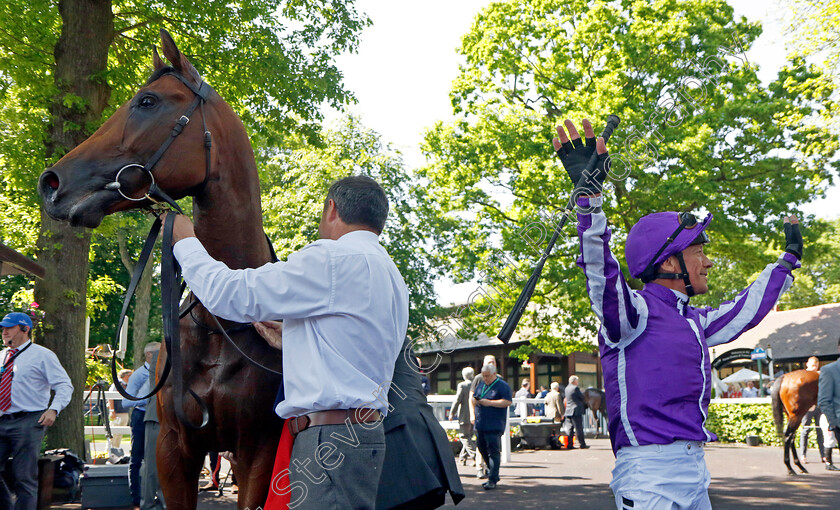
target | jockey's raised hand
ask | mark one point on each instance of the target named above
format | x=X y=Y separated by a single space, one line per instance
x=575 y=155
x=793 y=237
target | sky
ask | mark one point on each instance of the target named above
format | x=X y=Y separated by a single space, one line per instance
x=406 y=62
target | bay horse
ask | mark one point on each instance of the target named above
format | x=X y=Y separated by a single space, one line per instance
x=597 y=401
x=793 y=394
x=222 y=178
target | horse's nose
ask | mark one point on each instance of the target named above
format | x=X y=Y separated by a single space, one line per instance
x=48 y=185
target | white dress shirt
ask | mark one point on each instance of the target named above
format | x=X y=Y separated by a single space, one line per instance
x=344 y=307
x=37 y=371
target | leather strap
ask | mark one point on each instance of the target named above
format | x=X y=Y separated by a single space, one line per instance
x=333 y=417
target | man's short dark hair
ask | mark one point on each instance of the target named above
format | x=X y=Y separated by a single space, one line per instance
x=360 y=200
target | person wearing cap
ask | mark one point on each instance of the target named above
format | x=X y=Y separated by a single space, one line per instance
x=652 y=337
x=29 y=372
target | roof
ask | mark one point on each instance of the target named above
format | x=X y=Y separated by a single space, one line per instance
x=12 y=262
x=793 y=334
x=452 y=343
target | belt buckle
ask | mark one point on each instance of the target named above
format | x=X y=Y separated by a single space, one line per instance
x=294 y=424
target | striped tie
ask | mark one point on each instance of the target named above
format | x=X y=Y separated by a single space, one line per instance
x=6 y=382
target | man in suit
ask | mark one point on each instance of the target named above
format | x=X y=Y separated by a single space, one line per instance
x=829 y=402
x=574 y=411
x=553 y=404
x=461 y=409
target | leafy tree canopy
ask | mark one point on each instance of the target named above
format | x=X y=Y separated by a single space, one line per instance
x=295 y=184
x=699 y=132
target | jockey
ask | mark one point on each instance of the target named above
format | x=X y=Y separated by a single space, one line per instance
x=654 y=346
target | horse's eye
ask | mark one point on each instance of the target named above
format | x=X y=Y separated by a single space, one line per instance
x=147 y=102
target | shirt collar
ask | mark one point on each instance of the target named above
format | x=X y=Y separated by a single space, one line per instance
x=675 y=298
x=360 y=235
x=21 y=346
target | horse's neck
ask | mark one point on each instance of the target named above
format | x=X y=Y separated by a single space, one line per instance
x=228 y=218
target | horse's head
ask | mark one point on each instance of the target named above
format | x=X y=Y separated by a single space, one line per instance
x=108 y=171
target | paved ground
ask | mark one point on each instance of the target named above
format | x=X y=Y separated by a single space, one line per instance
x=742 y=478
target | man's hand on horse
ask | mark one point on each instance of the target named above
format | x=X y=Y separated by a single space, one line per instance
x=181 y=228
x=574 y=155
x=272 y=332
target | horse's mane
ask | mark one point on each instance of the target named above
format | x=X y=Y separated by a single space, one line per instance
x=160 y=72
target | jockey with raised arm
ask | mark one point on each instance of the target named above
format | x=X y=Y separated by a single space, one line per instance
x=654 y=346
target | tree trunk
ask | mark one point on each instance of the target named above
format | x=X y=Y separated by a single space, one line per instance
x=142 y=301
x=81 y=56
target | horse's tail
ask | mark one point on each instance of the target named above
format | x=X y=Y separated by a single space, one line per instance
x=778 y=407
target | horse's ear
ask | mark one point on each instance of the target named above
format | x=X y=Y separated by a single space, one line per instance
x=156 y=60
x=176 y=58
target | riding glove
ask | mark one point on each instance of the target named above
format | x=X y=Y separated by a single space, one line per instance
x=793 y=240
x=575 y=156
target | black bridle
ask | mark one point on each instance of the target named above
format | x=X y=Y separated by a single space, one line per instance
x=155 y=194
x=172 y=286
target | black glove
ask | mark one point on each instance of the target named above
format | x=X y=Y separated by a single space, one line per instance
x=793 y=240
x=575 y=156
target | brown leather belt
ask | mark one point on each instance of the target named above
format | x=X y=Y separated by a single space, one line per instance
x=332 y=417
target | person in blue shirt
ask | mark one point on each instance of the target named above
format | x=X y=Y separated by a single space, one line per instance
x=137 y=387
x=492 y=397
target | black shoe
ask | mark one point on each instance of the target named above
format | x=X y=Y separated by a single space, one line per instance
x=584 y=447
x=831 y=467
x=489 y=485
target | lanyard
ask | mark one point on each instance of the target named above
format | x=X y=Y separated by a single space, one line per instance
x=487 y=388
x=11 y=359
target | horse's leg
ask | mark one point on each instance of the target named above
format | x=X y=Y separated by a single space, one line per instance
x=797 y=420
x=252 y=467
x=178 y=471
x=789 y=437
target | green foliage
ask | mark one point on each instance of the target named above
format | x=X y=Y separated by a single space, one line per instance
x=734 y=422
x=815 y=28
x=699 y=131
x=296 y=182
x=272 y=60
x=96 y=370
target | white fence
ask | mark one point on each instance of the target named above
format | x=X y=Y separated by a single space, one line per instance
x=441 y=403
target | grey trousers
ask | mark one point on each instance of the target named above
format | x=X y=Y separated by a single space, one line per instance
x=21 y=438
x=337 y=467
x=151 y=495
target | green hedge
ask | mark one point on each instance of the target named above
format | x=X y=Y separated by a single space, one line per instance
x=734 y=422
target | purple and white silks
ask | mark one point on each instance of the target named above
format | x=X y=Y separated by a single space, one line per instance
x=654 y=346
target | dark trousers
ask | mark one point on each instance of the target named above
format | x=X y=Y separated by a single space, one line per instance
x=138 y=440
x=152 y=494
x=575 y=426
x=21 y=438
x=334 y=468
x=811 y=417
x=490 y=447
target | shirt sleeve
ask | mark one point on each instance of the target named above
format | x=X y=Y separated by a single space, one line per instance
x=506 y=393
x=613 y=302
x=300 y=287
x=59 y=382
x=135 y=384
x=727 y=322
x=826 y=397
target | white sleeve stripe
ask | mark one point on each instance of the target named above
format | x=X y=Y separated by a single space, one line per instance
x=753 y=298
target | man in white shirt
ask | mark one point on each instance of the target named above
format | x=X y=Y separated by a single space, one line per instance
x=344 y=307
x=750 y=391
x=29 y=372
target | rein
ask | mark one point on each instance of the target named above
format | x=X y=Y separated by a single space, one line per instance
x=172 y=286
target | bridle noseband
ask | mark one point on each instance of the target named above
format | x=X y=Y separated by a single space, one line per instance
x=155 y=194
